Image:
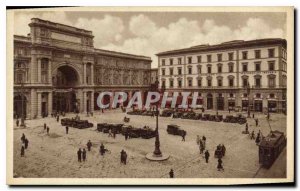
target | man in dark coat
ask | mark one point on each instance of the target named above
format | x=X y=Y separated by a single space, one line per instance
x=252 y=135
x=83 y=155
x=253 y=115
x=79 y=152
x=123 y=157
x=171 y=173
x=67 y=129
x=256 y=122
x=89 y=145
x=247 y=128
x=48 y=129
x=206 y=156
x=102 y=149
x=257 y=140
x=17 y=122
x=220 y=166
x=26 y=142
x=183 y=135
x=45 y=126
x=23 y=138
x=223 y=149
x=22 y=151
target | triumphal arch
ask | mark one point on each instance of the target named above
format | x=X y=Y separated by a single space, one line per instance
x=57 y=68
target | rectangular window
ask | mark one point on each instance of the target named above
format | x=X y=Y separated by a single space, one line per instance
x=179 y=60
x=209 y=83
x=230 y=68
x=190 y=70
x=171 y=61
x=171 y=71
x=199 y=82
x=190 y=83
x=271 y=66
x=171 y=83
x=219 y=57
x=208 y=58
x=199 y=69
x=257 y=82
x=189 y=60
x=199 y=59
x=271 y=52
x=245 y=67
x=179 y=71
x=257 y=53
x=245 y=55
x=245 y=82
x=208 y=69
x=220 y=83
x=179 y=83
x=230 y=56
x=163 y=62
x=271 y=82
x=231 y=82
x=220 y=68
x=257 y=66
x=163 y=72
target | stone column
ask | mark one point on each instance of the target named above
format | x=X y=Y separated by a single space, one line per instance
x=92 y=101
x=33 y=104
x=39 y=70
x=50 y=103
x=39 y=105
x=92 y=74
x=84 y=73
x=49 y=72
x=84 y=102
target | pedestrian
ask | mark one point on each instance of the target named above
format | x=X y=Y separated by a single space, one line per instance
x=223 y=150
x=203 y=138
x=45 y=126
x=126 y=135
x=109 y=133
x=17 y=122
x=253 y=115
x=48 y=129
x=114 y=133
x=84 y=155
x=256 y=122
x=198 y=140
x=201 y=147
x=67 y=129
x=171 y=173
x=252 y=135
x=23 y=138
x=57 y=118
x=183 y=135
x=206 y=156
x=79 y=152
x=26 y=142
x=220 y=166
x=247 y=128
x=22 y=151
x=89 y=145
x=102 y=149
x=259 y=133
x=257 y=140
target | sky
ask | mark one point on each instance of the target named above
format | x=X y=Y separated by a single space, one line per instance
x=145 y=33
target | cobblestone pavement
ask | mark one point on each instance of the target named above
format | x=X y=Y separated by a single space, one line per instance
x=55 y=155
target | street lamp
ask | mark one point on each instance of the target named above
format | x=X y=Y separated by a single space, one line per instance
x=157 y=155
x=248 y=93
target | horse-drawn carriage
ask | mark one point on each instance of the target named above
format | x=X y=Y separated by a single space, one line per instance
x=205 y=117
x=105 y=127
x=175 y=130
x=80 y=124
x=167 y=113
x=145 y=132
x=177 y=114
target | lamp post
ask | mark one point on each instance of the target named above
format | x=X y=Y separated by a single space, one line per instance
x=248 y=93
x=157 y=155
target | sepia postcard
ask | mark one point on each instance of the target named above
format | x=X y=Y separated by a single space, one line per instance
x=150 y=96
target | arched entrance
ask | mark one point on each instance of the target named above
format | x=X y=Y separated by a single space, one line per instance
x=210 y=101
x=20 y=106
x=65 y=79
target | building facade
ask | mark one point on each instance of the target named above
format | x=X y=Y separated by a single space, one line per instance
x=154 y=75
x=220 y=74
x=57 y=68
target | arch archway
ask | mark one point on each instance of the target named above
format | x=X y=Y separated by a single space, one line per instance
x=20 y=106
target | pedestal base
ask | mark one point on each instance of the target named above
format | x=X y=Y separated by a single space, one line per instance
x=162 y=157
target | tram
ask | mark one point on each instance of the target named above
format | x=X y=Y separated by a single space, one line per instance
x=270 y=148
